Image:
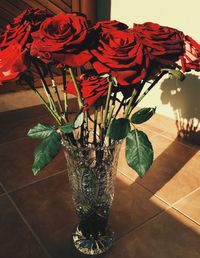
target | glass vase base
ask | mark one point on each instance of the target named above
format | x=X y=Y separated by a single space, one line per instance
x=93 y=245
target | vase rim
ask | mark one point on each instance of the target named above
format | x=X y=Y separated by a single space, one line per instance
x=91 y=146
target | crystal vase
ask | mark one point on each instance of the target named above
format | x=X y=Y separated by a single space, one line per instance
x=92 y=171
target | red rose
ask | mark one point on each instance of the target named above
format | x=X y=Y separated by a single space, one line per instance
x=162 y=44
x=92 y=88
x=13 y=61
x=191 y=57
x=119 y=54
x=20 y=29
x=62 y=38
x=18 y=34
x=34 y=16
x=110 y=25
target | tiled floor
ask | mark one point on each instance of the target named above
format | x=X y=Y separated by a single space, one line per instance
x=154 y=217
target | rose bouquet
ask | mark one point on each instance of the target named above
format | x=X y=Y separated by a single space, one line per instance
x=109 y=65
x=106 y=66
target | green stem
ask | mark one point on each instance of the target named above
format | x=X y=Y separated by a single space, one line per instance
x=51 y=103
x=54 y=86
x=95 y=126
x=101 y=125
x=119 y=108
x=86 y=126
x=65 y=93
x=110 y=113
x=107 y=104
x=130 y=103
x=147 y=90
x=55 y=115
x=57 y=118
x=80 y=101
x=45 y=86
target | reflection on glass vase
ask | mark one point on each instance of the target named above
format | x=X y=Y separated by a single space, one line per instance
x=92 y=171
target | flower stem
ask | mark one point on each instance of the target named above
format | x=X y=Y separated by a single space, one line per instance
x=65 y=93
x=147 y=90
x=111 y=109
x=46 y=88
x=57 y=118
x=53 y=113
x=86 y=126
x=119 y=108
x=54 y=86
x=130 y=103
x=107 y=105
x=95 y=126
x=80 y=101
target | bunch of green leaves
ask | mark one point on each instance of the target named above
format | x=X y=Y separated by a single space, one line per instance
x=139 y=151
x=51 y=141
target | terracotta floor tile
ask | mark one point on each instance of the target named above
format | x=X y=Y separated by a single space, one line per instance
x=175 y=171
x=13 y=130
x=16 y=160
x=15 y=124
x=159 y=123
x=190 y=206
x=123 y=166
x=132 y=205
x=31 y=112
x=158 y=146
x=48 y=207
x=150 y=133
x=21 y=114
x=168 y=235
x=15 y=238
x=51 y=214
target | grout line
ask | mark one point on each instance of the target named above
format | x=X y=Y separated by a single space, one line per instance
x=27 y=224
x=162 y=133
x=169 y=206
x=157 y=196
x=36 y=181
x=181 y=143
x=185 y=196
x=144 y=187
x=143 y=223
x=187 y=216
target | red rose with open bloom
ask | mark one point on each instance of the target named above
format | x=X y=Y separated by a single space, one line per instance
x=13 y=62
x=92 y=88
x=162 y=44
x=191 y=57
x=19 y=31
x=120 y=54
x=62 y=38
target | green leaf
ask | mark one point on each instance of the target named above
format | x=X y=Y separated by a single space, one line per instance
x=142 y=115
x=46 y=151
x=139 y=151
x=119 y=129
x=41 y=131
x=79 y=120
x=67 y=128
